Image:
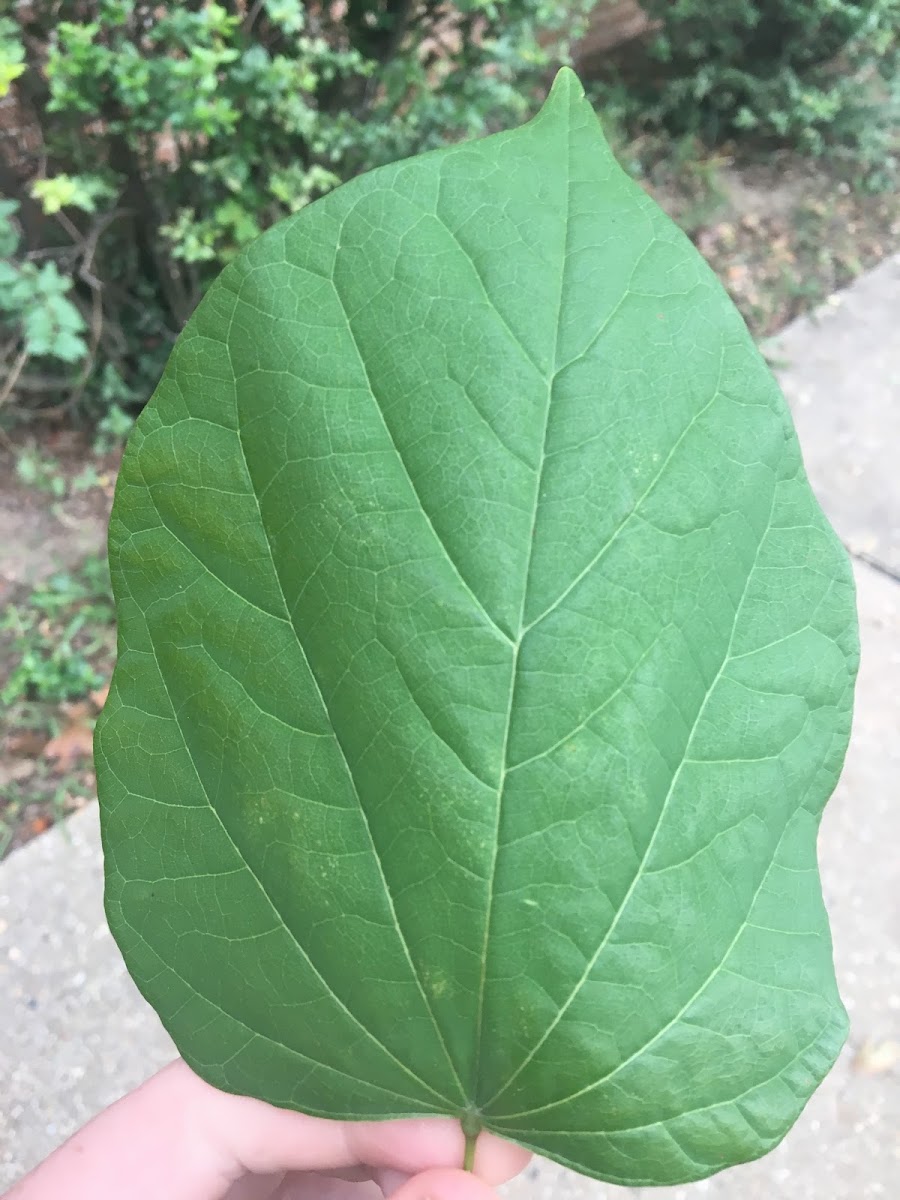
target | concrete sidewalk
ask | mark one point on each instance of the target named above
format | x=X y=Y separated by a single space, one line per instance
x=77 y=1035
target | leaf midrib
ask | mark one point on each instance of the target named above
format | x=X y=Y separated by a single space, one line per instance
x=514 y=666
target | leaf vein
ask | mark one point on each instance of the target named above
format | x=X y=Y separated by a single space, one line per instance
x=408 y=475
x=639 y=874
x=277 y=1042
x=271 y=902
x=634 y=511
x=352 y=779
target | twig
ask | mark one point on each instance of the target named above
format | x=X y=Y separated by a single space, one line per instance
x=41 y=383
x=71 y=228
x=85 y=271
x=13 y=376
x=96 y=330
x=250 y=20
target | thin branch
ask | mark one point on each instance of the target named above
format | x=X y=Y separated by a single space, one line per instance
x=96 y=330
x=13 y=377
x=250 y=20
x=71 y=228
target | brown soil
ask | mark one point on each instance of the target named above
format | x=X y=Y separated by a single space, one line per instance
x=782 y=236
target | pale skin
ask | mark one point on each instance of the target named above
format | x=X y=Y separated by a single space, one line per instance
x=177 y=1137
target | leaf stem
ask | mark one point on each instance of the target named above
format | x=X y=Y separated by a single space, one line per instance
x=471 y=1127
x=469 y=1156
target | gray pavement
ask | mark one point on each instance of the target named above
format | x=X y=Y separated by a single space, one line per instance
x=75 y=1034
x=840 y=370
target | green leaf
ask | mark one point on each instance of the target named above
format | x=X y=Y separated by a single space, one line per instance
x=486 y=662
x=39 y=331
x=68 y=347
x=9 y=277
x=64 y=191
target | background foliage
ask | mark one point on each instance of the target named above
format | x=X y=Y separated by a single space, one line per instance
x=169 y=137
x=813 y=73
x=144 y=145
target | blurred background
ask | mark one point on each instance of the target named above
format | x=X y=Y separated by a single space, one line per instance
x=143 y=144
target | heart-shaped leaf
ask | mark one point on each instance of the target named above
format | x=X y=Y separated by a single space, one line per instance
x=485 y=665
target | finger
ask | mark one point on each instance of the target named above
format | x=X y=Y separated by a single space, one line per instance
x=389 y=1180
x=307 y=1186
x=444 y=1184
x=251 y=1136
x=351 y=1174
x=416 y=1144
x=257 y=1187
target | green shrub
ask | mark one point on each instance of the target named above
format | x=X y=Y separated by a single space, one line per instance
x=173 y=134
x=809 y=73
x=35 y=297
x=57 y=636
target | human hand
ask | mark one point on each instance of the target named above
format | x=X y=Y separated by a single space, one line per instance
x=178 y=1138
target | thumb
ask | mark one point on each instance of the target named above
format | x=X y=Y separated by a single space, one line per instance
x=444 y=1183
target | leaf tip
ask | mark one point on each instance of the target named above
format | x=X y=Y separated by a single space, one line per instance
x=567 y=101
x=567 y=88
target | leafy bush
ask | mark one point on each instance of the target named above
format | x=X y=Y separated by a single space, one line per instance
x=35 y=297
x=810 y=73
x=170 y=136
